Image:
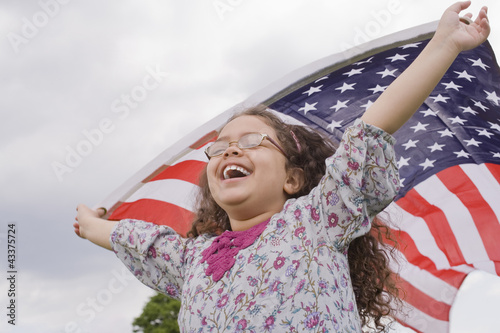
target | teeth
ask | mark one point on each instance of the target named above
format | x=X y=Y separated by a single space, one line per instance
x=234 y=167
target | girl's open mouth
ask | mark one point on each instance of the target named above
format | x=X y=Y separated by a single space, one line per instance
x=234 y=171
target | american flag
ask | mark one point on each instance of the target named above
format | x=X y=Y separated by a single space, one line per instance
x=448 y=210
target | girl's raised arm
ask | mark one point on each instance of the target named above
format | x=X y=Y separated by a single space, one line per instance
x=91 y=226
x=405 y=95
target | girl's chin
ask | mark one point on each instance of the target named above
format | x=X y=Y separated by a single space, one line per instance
x=230 y=202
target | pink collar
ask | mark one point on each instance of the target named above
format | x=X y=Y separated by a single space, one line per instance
x=220 y=255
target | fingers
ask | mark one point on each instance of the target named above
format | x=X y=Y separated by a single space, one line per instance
x=483 y=13
x=466 y=19
x=101 y=211
x=483 y=16
x=77 y=229
x=483 y=22
x=459 y=6
x=83 y=209
x=485 y=26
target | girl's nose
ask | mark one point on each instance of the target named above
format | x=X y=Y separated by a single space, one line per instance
x=233 y=149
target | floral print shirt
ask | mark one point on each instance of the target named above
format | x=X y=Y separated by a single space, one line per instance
x=295 y=276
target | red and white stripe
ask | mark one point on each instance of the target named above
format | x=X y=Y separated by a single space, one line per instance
x=448 y=225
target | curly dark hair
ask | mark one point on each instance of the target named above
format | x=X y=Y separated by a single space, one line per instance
x=373 y=281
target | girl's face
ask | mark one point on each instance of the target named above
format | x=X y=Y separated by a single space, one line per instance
x=256 y=187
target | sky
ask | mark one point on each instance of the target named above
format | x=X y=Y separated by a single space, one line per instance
x=67 y=67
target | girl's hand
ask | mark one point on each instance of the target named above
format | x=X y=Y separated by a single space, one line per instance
x=83 y=218
x=463 y=33
x=91 y=226
x=407 y=93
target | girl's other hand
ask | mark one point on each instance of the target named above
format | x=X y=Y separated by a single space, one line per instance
x=82 y=216
x=462 y=32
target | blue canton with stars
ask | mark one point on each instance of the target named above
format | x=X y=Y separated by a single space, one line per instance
x=459 y=122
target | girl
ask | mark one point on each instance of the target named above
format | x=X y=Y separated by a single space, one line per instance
x=280 y=261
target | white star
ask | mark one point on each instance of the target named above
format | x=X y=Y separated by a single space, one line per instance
x=407 y=46
x=334 y=125
x=397 y=57
x=439 y=98
x=497 y=154
x=345 y=87
x=469 y=110
x=364 y=62
x=387 y=72
x=479 y=63
x=461 y=153
x=340 y=105
x=494 y=126
x=446 y=132
x=457 y=119
x=451 y=85
x=308 y=107
x=367 y=105
x=492 y=96
x=378 y=88
x=473 y=142
x=410 y=144
x=321 y=79
x=465 y=75
x=429 y=112
x=435 y=147
x=401 y=181
x=402 y=162
x=427 y=163
x=354 y=72
x=484 y=132
x=312 y=90
x=419 y=127
x=480 y=105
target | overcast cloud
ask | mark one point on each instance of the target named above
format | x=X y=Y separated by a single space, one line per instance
x=67 y=68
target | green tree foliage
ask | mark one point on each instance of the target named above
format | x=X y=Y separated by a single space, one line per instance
x=158 y=316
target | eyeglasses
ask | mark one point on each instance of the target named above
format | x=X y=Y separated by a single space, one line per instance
x=247 y=141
